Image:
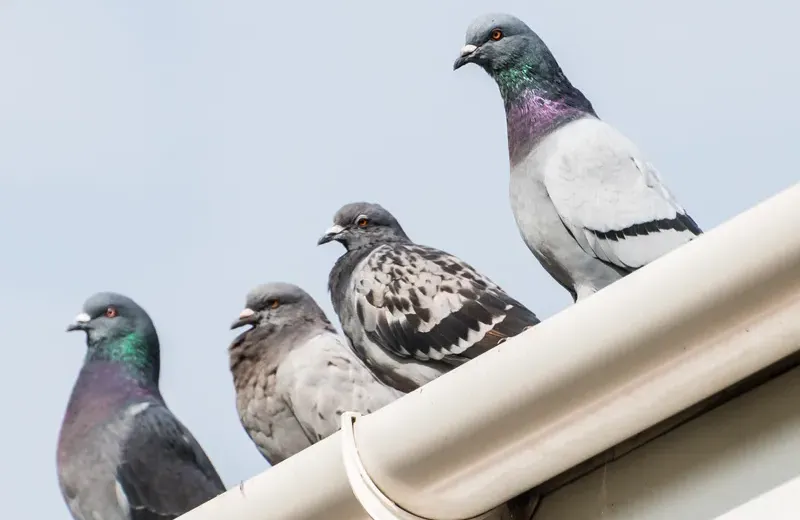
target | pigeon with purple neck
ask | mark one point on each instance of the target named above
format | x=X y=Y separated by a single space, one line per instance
x=587 y=203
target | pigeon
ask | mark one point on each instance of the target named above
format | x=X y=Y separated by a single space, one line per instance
x=122 y=455
x=586 y=201
x=412 y=312
x=294 y=374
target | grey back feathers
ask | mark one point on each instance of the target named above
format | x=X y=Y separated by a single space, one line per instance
x=294 y=375
x=412 y=312
x=588 y=204
x=122 y=455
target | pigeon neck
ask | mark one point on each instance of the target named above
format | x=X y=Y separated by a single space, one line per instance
x=370 y=242
x=536 y=106
x=545 y=78
x=259 y=351
x=137 y=353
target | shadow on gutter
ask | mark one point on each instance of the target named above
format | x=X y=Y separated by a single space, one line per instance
x=710 y=403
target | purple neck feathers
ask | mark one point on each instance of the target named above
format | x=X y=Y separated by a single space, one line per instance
x=532 y=116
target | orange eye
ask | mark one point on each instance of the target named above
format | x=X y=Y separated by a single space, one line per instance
x=497 y=34
x=274 y=304
x=362 y=222
x=111 y=312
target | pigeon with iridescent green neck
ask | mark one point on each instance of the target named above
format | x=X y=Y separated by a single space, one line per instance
x=122 y=455
x=586 y=201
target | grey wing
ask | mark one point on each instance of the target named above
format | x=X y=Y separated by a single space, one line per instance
x=612 y=201
x=163 y=471
x=419 y=302
x=323 y=379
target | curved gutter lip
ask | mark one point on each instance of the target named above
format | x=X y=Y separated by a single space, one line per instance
x=658 y=341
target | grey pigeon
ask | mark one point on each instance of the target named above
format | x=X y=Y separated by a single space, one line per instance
x=586 y=201
x=412 y=312
x=122 y=455
x=294 y=374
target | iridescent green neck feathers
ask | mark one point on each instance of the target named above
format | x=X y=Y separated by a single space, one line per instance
x=136 y=351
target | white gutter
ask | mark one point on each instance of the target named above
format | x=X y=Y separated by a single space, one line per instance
x=781 y=503
x=683 y=328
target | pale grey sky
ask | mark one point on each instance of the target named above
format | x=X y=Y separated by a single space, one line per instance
x=182 y=151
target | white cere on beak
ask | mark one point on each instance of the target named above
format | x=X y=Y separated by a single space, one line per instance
x=83 y=318
x=468 y=49
x=335 y=230
x=246 y=313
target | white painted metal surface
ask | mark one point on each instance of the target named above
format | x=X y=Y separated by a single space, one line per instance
x=374 y=502
x=700 y=470
x=782 y=503
x=641 y=350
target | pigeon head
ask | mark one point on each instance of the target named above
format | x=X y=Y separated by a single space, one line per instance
x=276 y=305
x=118 y=329
x=360 y=224
x=518 y=60
x=499 y=42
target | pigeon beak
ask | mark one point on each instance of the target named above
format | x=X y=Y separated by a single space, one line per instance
x=81 y=322
x=331 y=234
x=467 y=52
x=246 y=317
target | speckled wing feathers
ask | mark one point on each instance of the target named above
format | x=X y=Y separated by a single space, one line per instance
x=423 y=303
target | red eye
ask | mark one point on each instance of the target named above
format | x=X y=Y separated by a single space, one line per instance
x=362 y=222
x=111 y=312
x=497 y=34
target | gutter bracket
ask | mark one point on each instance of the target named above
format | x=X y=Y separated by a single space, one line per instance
x=377 y=505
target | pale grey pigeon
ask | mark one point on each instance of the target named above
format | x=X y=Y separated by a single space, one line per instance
x=412 y=312
x=586 y=201
x=122 y=455
x=294 y=375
